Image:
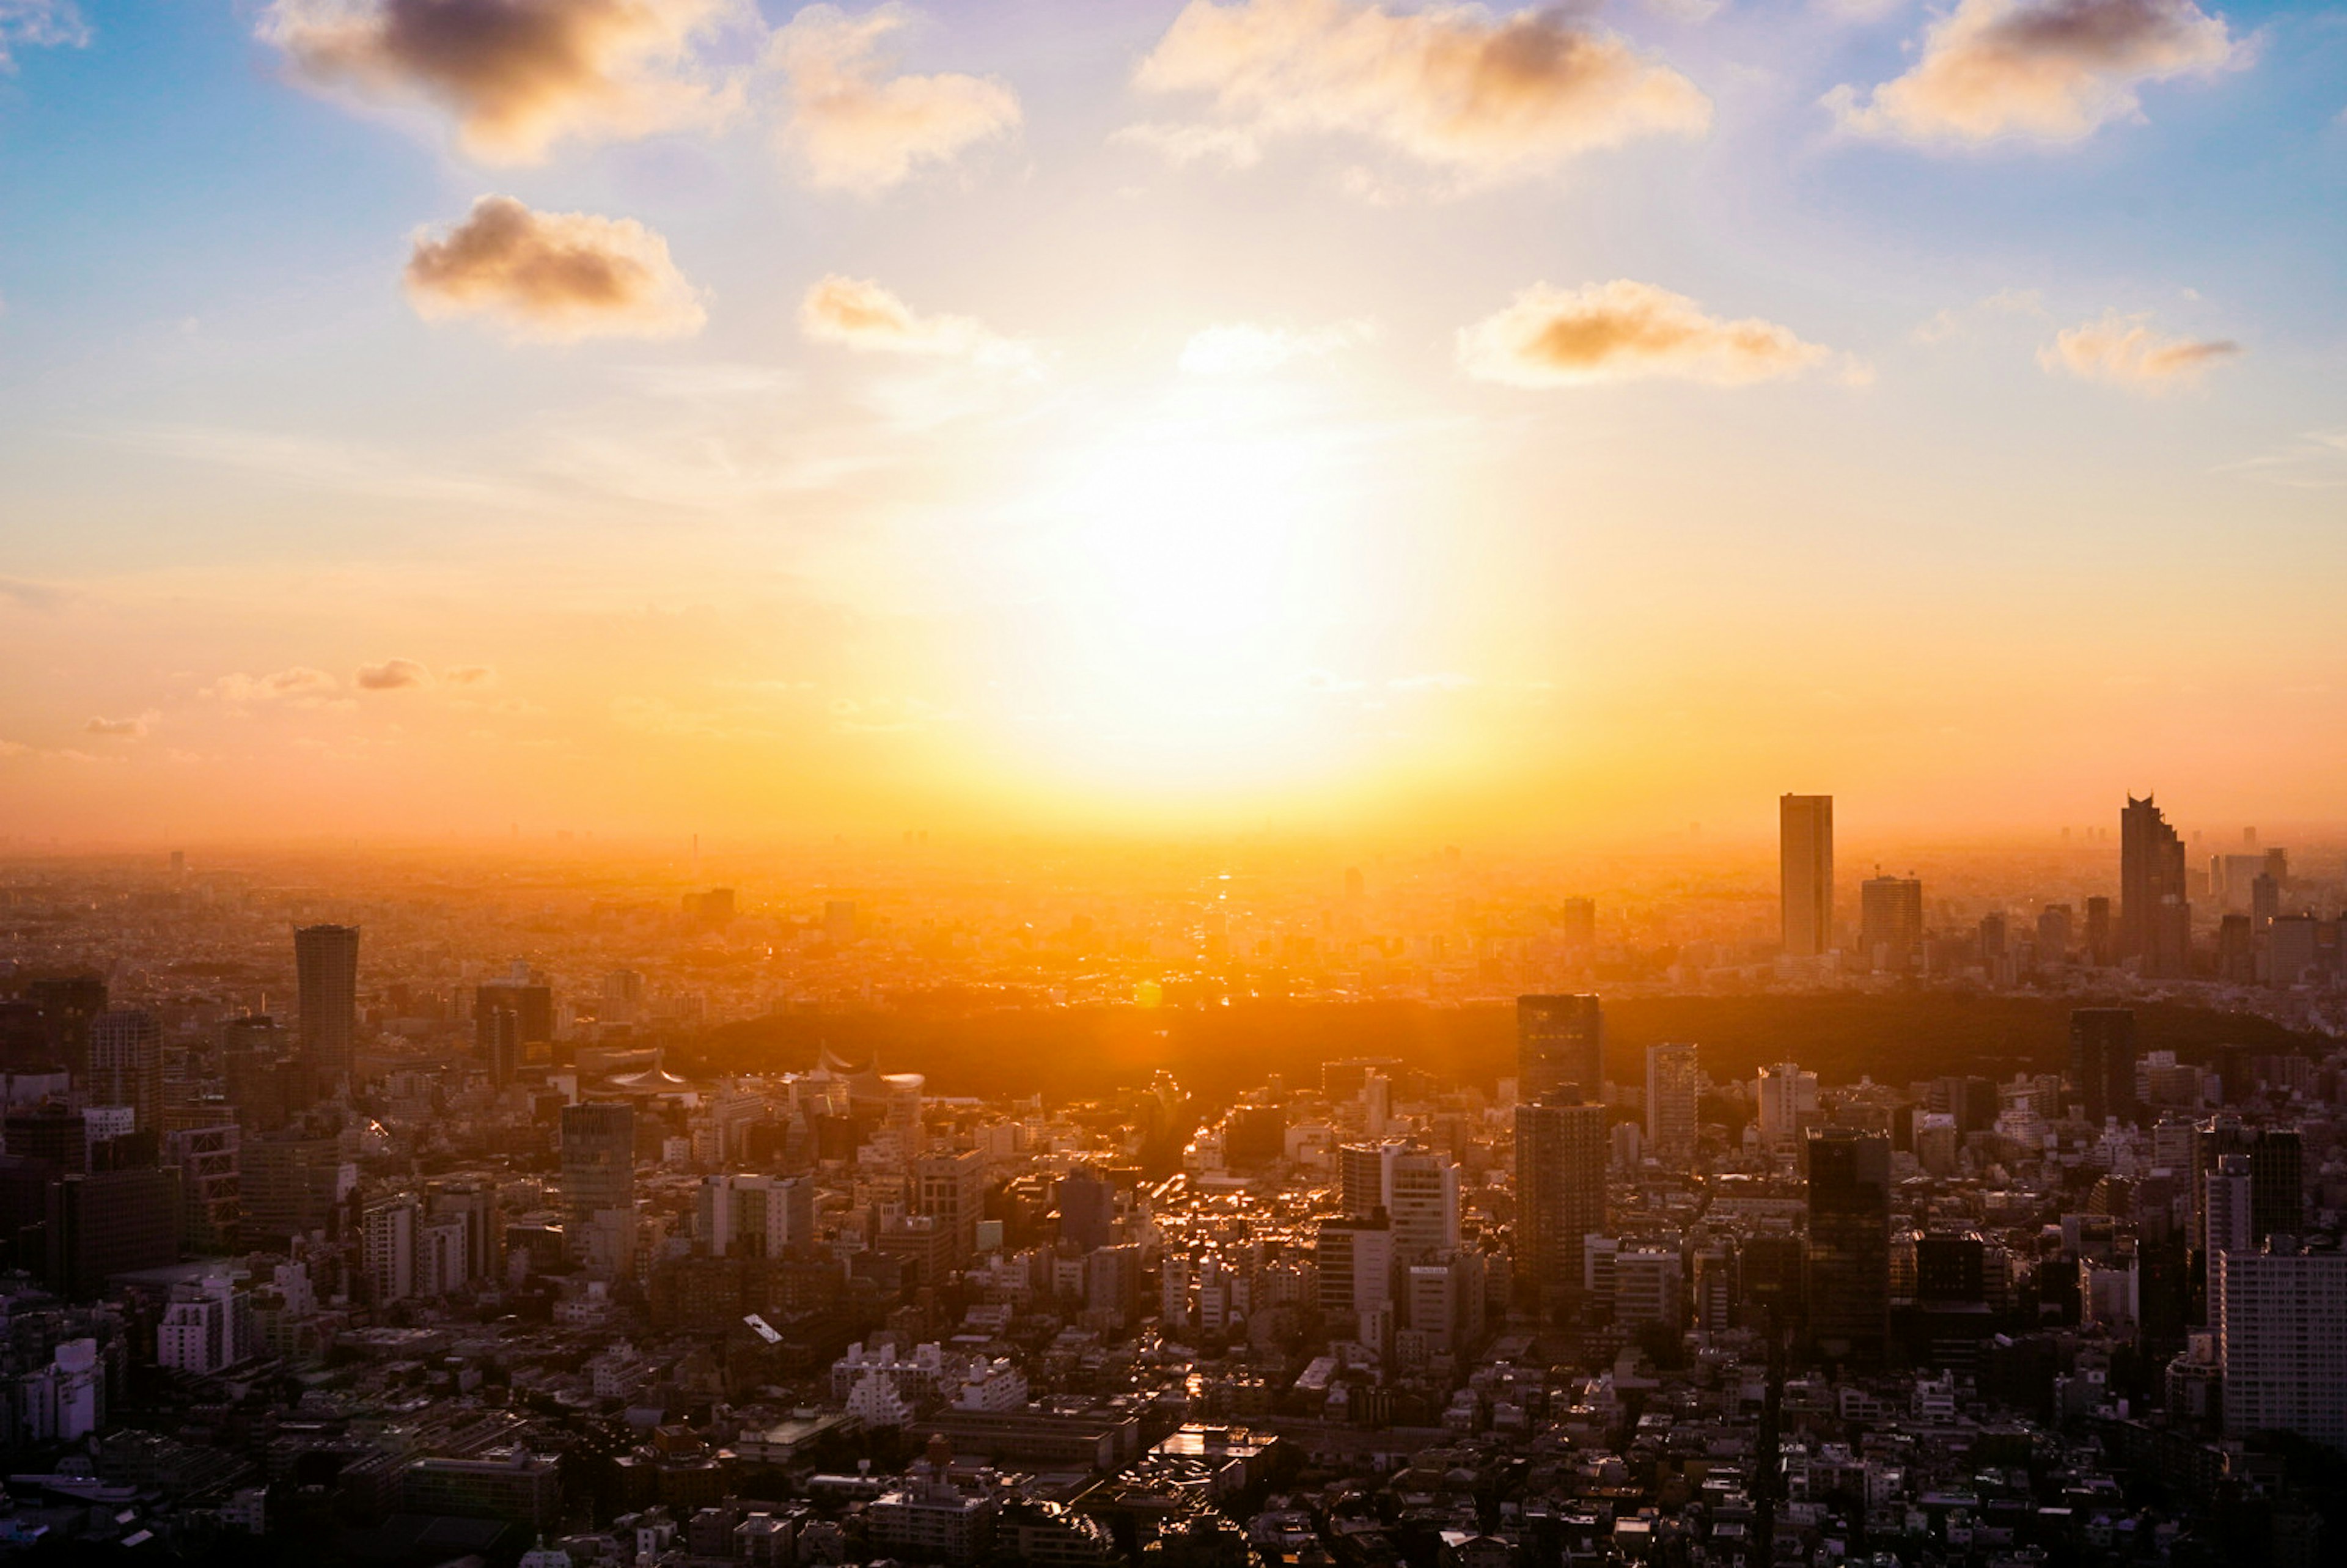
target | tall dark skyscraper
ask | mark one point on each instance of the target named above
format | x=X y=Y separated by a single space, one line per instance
x=1560 y=1041
x=2155 y=918
x=1849 y=1252
x=326 y=963
x=1805 y=872
x=1560 y=1194
x=2102 y=1061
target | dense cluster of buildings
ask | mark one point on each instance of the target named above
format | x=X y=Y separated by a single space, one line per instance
x=421 y=1269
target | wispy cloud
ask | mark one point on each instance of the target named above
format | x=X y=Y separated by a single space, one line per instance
x=2314 y=461
x=123 y=729
x=2041 y=70
x=858 y=313
x=327 y=465
x=391 y=675
x=300 y=686
x=27 y=595
x=2124 y=352
x=554 y=277
x=40 y=24
x=518 y=75
x=1482 y=97
x=1626 y=331
x=853 y=126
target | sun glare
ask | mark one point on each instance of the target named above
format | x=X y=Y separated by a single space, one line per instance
x=1190 y=567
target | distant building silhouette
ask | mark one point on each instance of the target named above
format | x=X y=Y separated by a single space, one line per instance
x=1890 y=922
x=1805 y=871
x=2155 y=914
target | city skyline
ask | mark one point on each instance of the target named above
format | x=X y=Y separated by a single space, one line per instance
x=1144 y=426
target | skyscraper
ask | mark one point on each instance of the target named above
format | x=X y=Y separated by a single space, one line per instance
x=1560 y=1041
x=951 y=1187
x=1890 y=922
x=2102 y=1061
x=1805 y=872
x=1848 y=1260
x=1422 y=1197
x=326 y=965
x=125 y=1064
x=599 y=1168
x=1671 y=1100
x=2155 y=920
x=2281 y=1318
x=1560 y=1193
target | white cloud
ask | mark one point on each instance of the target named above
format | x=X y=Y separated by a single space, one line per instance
x=554 y=277
x=39 y=23
x=852 y=126
x=2124 y=352
x=1624 y=330
x=519 y=75
x=858 y=313
x=1480 y=96
x=2042 y=70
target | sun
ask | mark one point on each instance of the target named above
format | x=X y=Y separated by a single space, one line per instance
x=1191 y=570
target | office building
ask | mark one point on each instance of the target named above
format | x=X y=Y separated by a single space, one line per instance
x=210 y=1184
x=1087 y=1204
x=125 y=1065
x=1848 y=1256
x=293 y=1186
x=2228 y=1218
x=50 y=1132
x=529 y=1004
x=326 y=967
x=1671 y=1102
x=1421 y=1198
x=2103 y=1062
x=599 y=1171
x=2054 y=935
x=1354 y=1262
x=1891 y=923
x=1443 y=1300
x=524 y=1488
x=755 y=1215
x=389 y=1237
x=108 y=1222
x=951 y=1188
x=1560 y=1045
x=1560 y=1194
x=1805 y=873
x=1787 y=1099
x=66 y=1007
x=2154 y=923
x=2280 y=1320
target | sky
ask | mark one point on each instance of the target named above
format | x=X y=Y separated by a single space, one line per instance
x=637 y=416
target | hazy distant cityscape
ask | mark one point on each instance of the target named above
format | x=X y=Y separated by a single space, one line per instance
x=558 y=1209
